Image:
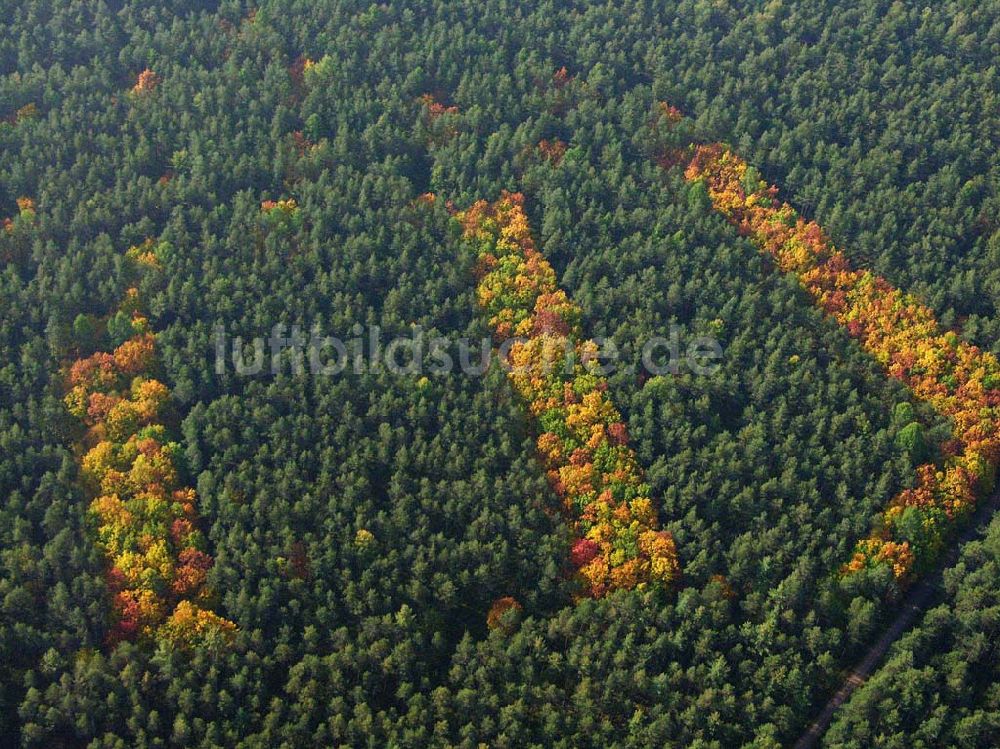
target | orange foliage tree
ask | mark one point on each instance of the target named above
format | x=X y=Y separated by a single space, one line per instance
x=146 y=82
x=552 y=150
x=499 y=609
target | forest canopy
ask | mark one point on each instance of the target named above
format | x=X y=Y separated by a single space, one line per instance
x=195 y=556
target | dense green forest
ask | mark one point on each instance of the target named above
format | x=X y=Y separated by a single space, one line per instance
x=362 y=524
x=938 y=686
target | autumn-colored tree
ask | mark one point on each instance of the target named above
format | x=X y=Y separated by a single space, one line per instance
x=189 y=623
x=503 y=609
x=435 y=108
x=28 y=112
x=281 y=215
x=146 y=82
x=552 y=150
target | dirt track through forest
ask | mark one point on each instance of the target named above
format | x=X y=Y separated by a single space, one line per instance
x=915 y=602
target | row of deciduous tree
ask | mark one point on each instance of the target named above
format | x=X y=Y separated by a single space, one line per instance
x=582 y=440
x=144 y=517
x=956 y=378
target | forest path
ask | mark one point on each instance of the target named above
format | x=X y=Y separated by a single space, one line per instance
x=917 y=600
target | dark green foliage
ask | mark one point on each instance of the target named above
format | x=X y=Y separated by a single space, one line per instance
x=119 y=328
x=938 y=686
x=881 y=121
x=911 y=439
